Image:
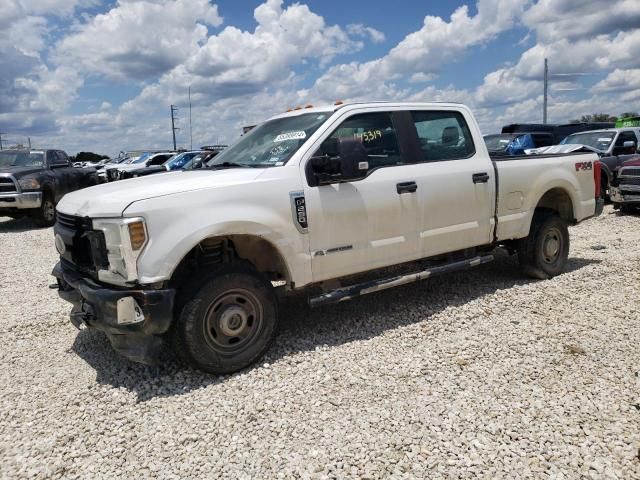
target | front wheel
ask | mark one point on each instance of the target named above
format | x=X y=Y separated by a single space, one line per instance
x=543 y=254
x=46 y=214
x=228 y=320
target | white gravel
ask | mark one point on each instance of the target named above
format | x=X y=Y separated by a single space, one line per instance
x=481 y=373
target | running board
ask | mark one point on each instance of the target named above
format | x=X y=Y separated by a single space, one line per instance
x=371 y=286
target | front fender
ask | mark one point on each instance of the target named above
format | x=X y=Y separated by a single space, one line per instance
x=173 y=235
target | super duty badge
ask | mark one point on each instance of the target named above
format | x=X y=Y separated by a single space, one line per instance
x=299 y=211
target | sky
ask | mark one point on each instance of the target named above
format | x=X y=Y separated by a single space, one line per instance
x=91 y=75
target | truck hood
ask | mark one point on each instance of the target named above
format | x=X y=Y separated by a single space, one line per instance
x=20 y=171
x=111 y=199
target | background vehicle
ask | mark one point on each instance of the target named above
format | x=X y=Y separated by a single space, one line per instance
x=515 y=143
x=612 y=141
x=144 y=161
x=625 y=190
x=311 y=199
x=182 y=161
x=555 y=132
x=33 y=181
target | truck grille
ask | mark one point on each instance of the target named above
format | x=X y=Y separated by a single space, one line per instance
x=630 y=181
x=630 y=172
x=7 y=185
x=84 y=247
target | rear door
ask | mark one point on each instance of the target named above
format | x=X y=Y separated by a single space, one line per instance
x=456 y=185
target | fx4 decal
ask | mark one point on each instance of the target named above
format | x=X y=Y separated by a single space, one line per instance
x=584 y=166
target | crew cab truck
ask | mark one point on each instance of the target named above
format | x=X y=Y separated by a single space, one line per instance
x=306 y=201
x=33 y=181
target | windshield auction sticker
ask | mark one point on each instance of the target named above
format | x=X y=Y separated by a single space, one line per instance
x=283 y=137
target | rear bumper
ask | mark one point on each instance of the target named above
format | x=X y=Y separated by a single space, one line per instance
x=20 y=201
x=133 y=319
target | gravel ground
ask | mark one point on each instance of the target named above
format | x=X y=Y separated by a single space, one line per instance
x=480 y=373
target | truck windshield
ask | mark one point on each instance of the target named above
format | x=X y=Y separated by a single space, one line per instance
x=598 y=140
x=21 y=159
x=271 y=144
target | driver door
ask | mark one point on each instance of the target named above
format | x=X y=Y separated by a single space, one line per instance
x=362 y=224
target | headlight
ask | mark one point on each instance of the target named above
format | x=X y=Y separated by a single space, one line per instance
x=125 y=239
x=29 y=184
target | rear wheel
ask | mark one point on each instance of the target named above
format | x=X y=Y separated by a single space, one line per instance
x=227 y=321
x=543 y=254
x=46 y=214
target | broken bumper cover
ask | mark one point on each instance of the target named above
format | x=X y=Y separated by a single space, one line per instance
x=21 y=201
x=134 y=320
x=630 y=194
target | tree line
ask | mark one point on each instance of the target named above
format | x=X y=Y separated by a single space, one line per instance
x=603 y=117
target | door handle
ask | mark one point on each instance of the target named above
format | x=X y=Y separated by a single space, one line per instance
x=406 y=187
x=480 y=177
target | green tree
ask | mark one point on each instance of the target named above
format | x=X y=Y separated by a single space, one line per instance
x=89 y=157
x=629 y=114
x=595 y=117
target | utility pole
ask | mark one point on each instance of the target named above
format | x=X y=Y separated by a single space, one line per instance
x=1 y=133
x=546 y=89
x=29 y=140
x=190 y=130
x=174 y=109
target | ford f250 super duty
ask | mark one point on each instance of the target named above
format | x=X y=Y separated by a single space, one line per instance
x=308 y=201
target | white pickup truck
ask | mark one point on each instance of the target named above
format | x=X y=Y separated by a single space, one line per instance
x=307 y=200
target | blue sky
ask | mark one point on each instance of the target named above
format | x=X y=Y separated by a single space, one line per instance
x=100 y=76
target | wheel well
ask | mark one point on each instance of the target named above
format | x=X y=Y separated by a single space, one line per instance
x=252 y=249
x=559 y=201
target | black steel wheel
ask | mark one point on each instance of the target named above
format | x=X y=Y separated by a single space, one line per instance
x=46 y=214
x=225 y=320
x=543 y=254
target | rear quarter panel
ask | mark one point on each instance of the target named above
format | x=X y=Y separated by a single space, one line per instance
x=522 y=182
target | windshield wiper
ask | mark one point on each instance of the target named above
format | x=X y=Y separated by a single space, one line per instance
x=217 y=166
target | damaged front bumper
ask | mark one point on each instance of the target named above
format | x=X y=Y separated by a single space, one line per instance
x=133 y=319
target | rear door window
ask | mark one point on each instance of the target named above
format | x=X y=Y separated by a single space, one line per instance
x=443 y=135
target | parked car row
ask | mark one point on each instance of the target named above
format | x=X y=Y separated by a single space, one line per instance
x=616 y=146
x=148 y=163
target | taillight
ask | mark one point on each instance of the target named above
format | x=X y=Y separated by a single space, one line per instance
x=597 y=177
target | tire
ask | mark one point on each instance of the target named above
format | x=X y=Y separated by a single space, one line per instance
x=543 y=254
x=46 y=215
x=227 y=319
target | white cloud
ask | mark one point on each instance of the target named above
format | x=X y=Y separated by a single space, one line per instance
x=357 y=29
x=139 y=39
x=555 y=20
x=422 y=52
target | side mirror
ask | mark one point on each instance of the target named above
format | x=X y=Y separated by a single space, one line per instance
x=629 y=144
x=340 y=160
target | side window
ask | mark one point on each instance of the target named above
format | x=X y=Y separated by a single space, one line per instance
x=443 y=135
x=377 y=134
x=625 y=137
x=57 y=158
x=158 y=160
